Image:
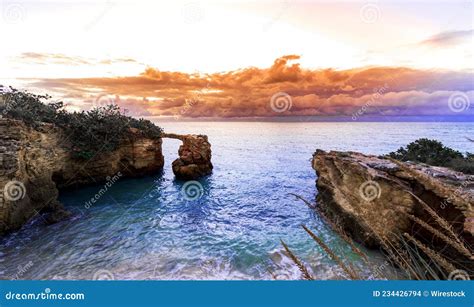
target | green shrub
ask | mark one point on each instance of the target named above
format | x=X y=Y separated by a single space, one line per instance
x=465 y=165
x=433 y=152
x=100 y=129
x=28 y=107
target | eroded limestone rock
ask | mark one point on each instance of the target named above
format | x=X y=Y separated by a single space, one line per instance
x=194 y=157
x=35 y=162
x=372 y=197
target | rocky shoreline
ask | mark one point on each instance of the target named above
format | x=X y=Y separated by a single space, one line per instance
x=378 y=201
x=36 y=162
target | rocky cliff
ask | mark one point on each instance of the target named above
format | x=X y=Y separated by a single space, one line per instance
x=34 y=163
x=374 y=199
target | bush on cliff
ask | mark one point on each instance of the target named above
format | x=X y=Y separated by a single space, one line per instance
x=433 y=152
x=100 y=129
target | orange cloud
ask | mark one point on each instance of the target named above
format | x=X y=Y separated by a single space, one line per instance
x=248 y=92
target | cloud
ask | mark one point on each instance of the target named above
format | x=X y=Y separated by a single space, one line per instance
x=449 y=38
x=248 y=92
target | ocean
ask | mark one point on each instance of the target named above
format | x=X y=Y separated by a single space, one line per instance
x=148 y=228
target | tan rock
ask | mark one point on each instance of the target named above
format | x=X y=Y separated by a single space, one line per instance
x=35 y=162
x=367 y=196
x=194 y=156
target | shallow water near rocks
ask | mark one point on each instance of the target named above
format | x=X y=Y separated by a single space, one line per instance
x=148 y=229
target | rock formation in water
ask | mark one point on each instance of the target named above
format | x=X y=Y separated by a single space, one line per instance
x=34 y=163
x=194 y=156
x=374 y=197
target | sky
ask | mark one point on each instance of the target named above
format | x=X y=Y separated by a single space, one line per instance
x=244 y=58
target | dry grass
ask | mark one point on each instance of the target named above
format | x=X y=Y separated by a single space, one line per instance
x=408 y=253
x=432 y=254
x=274 y=276
x=338 y=229
x=441 y=222
x=304 y=271
x=308 y=203
x=398 y=256
x=431 y=184
x=459 y=246
x=351 y=273
x=335 y=227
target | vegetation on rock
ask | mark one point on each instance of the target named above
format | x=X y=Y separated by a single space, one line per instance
x=434 y=153
x=88 y=132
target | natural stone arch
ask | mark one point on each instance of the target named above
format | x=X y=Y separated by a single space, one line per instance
x=194 y=156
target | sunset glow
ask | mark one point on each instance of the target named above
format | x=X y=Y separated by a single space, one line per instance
x=155 y=56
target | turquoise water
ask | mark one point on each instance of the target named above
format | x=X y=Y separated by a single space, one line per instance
x=147 y=229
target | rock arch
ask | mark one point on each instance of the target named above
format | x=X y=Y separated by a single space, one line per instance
x=194 y=159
